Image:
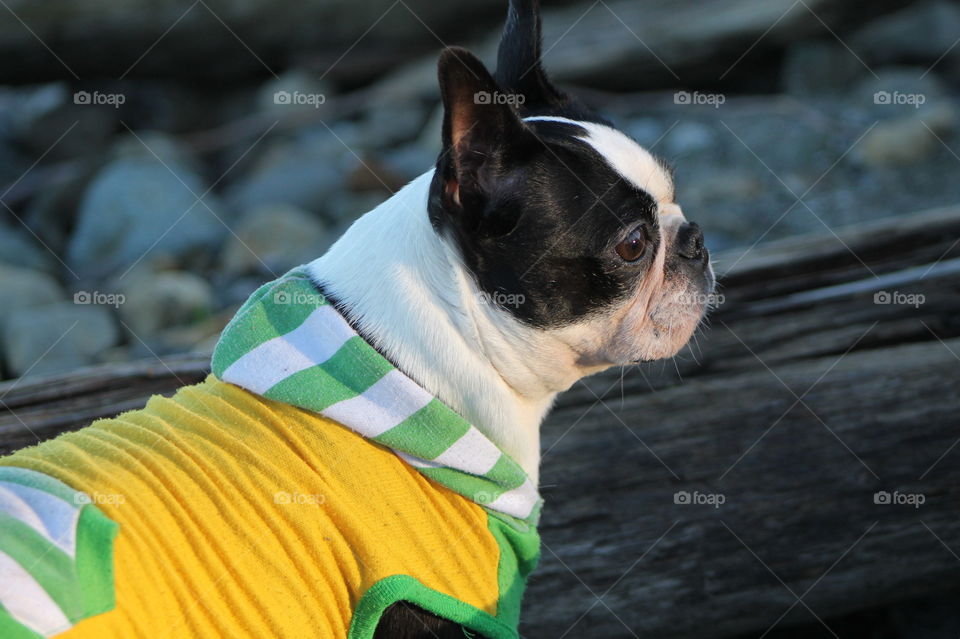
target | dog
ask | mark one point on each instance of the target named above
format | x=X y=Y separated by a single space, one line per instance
x=363 y=460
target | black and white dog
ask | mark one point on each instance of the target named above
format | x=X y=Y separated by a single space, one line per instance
x=544 y=247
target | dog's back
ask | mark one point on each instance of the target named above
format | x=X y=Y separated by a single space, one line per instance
x=239 y=516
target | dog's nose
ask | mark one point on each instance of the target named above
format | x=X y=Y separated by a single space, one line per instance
x=690 y=241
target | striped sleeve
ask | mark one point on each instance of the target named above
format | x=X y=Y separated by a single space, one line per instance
x=56 y=556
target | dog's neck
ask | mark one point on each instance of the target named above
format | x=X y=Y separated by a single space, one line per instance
x=405 y=289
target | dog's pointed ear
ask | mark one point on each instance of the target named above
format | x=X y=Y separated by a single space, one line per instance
x=519 y=68
x=481 y=130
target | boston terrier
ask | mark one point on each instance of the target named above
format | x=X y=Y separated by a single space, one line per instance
x=545 y=246
x=363 y=461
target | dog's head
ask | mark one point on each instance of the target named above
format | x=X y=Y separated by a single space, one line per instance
x=565 y=221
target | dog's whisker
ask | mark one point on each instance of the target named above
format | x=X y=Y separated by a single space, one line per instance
x=623 y=398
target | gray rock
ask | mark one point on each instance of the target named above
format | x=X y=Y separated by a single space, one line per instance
x=920 y=33
x=296 y=90
x=302 y=173
x=22 y=288
x=47 y=120
x=22 y=107
x=812 y=146
x=170 y=106
x=420 y=155
x=909 y=139
x=159 y=301
x=914 y=109
x=689 y=137
x=430 y=138
x=199 y=337
x=271 y=239
x=387 y=123
x=56 y=337
x=646 y=131
x=51 y=212
x=898 y=91
x=139 y=206
x=942 y=117
x=820 y=66
x=232 y=293
x=908 y=79
x=370 y=173
x=723 y=202
x=338 y=138
x=416 y=80
x=157 y=146
x=348 y=206
x=12 y=163
x=718 y=187
x=19 y=248
x=410 y=160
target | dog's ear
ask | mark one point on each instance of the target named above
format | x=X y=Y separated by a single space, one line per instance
x=481 y=132
x=519 y=69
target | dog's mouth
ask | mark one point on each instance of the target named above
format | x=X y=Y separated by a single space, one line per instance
x=677 y=317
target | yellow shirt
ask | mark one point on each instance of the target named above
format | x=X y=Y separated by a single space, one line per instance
x=244 y=517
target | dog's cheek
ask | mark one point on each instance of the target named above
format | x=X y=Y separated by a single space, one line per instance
x=679 y=313
x=660 y=328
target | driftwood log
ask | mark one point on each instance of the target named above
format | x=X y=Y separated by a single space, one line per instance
x=735 y=489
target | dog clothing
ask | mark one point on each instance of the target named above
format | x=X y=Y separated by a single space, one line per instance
x=299 y=491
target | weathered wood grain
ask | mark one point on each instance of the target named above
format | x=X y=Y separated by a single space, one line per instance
x=32 y=410
x=798 y=479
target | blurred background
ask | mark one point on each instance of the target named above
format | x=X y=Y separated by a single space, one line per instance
x=160 y=159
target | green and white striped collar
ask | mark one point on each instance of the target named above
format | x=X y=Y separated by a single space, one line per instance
x=288 y=343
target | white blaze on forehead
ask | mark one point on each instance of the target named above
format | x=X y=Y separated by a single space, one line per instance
x=633 y=162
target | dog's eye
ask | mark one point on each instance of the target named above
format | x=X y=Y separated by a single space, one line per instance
x=634 y=246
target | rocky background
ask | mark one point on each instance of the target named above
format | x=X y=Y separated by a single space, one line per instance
x=159 y=160
x=156 y=165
